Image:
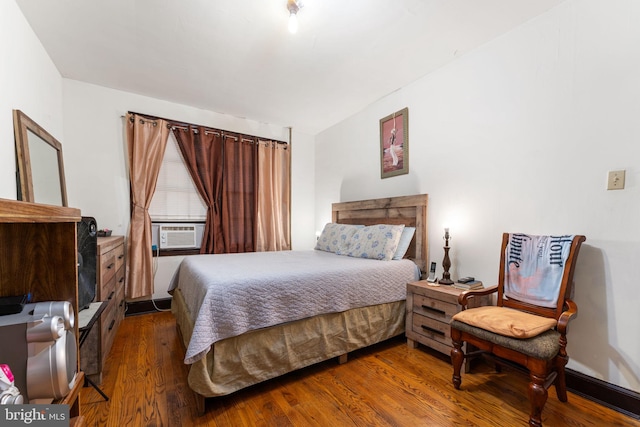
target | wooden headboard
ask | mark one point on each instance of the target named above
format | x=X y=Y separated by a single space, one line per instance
x=408 y=210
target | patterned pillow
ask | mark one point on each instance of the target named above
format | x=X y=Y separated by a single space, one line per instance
x=335 y=237
x=375 y=242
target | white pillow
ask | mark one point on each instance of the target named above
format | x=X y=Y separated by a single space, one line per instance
x=405 y=241
x=335 y=237
x=375 y=242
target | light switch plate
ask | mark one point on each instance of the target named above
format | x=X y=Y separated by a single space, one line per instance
x=615 y=180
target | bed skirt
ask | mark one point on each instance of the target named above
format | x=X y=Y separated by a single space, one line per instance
x=238 y=362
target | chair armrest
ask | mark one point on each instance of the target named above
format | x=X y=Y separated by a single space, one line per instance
x=571 y=310
x=464 y=297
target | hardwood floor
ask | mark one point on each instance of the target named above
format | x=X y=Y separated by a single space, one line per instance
x=388 y=384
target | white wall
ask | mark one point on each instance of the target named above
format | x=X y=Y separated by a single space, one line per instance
x=96 y=165
x=302 y=191
x=518 y=136
x=29 y=82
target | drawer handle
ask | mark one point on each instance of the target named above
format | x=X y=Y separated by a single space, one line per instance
x=121 y=303
x=434 y=331
x=113 y=322
x=111 y=295
x=435 y=310
x=110 y=266
x=121 y=279
x=120 y=256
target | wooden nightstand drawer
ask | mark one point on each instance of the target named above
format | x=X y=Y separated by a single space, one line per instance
x=434 y=308
x=431 y=328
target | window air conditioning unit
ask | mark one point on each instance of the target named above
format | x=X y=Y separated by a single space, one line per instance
x=178 y=236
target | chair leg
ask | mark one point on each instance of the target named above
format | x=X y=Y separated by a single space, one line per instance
x=457 y=357
x=538 y=397
x=561 y=382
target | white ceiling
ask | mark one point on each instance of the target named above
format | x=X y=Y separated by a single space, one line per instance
x=237 y=57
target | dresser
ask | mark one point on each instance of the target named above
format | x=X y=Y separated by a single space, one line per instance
x=429 y=310
x=110 y=287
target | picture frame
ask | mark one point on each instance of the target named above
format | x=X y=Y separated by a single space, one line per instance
x=394 y=144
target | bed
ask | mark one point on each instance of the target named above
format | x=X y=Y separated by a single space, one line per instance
x=234 y=339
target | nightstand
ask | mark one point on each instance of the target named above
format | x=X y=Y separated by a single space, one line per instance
x=429 y=310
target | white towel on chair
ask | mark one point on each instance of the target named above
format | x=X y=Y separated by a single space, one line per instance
x=534 y=267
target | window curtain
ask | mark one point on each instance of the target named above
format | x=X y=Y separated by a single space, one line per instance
x=203 y=153
x=146 y=142
x=238 y=195
x=273 y=222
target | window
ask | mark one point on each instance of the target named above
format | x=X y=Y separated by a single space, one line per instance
x=176 y=198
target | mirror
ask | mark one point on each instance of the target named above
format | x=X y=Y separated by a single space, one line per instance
x=39 y=163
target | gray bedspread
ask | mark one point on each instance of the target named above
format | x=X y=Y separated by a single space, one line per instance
x=230 y=294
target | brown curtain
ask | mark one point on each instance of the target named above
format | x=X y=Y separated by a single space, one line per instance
x=238 y=195
x=273 y=225
x=202 y=151
x=146 y=141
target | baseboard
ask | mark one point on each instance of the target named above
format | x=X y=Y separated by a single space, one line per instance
x=147 y=306
x=612 y=396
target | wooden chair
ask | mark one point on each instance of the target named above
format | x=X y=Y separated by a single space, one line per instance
x=528 y=326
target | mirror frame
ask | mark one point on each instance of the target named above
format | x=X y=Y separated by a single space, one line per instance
x=21 y=125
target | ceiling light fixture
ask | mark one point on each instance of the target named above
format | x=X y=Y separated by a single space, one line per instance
x=293 y=6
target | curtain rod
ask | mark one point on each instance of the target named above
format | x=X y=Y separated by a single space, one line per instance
x=185 y=125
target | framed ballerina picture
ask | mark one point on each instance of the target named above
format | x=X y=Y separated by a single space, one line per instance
x=394 y=144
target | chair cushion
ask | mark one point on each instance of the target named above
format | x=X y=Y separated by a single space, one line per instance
x=544 y=346
x=506 y=321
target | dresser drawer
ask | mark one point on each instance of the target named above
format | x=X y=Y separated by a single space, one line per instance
x=119 y=284
x=119 y=254
x=108 y=289
x=107 y=273
x=119 y=300
x=108 y=327
x=434 y=308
